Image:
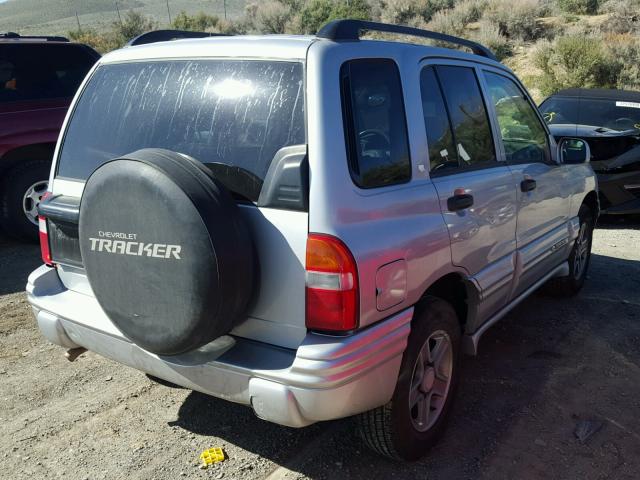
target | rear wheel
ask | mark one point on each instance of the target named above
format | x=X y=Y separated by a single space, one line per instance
x=20 y=193
x=411 y=423
x=579 y=259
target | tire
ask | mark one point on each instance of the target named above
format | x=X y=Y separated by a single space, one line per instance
x=166 y=250
x=15 y=184
x=570 y=285
x=394 y=429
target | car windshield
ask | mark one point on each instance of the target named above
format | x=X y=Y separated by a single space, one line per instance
x=232 y=115
x=599 y=112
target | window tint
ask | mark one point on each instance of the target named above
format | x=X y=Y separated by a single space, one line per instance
x=442 y=150
x=231 y=115
x=471 y=129
x=375 y=124
x=523 y=136
x=36 y=71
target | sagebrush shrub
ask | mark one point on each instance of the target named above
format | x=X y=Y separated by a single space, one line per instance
x=575 y=61
x=199 y=22
x=515 y=19
x=268 y=17
x=410 y=11
x=624 y=16
x=445 y=21
x=489 y=36
x=101 y=42
x=626 y=49
x=584 y=7
x=315 y=13
x=133 y=24
x=468 y=11
x=453 y=21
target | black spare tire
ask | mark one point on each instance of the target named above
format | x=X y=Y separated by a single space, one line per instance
x=165 y=249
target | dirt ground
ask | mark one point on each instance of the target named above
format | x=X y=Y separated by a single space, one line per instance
x=548 y=367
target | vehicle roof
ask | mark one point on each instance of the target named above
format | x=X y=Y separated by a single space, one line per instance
x=611 y=94
x=32 y=41
x=259 y=46
x=268 y=46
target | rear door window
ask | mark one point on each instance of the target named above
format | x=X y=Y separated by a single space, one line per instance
x=42 y=71
x=442 y=151
x=232 y=115
x=469 y=119
x=375 y=123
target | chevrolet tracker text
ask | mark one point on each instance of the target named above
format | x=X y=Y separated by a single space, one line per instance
x=140 y=249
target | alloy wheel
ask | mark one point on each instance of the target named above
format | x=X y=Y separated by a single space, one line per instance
x=582 y=251
x=431 y=380
x=31 y=200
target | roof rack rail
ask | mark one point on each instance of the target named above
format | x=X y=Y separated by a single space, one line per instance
x=350 y=30
x=166 y=35
x=17 y=36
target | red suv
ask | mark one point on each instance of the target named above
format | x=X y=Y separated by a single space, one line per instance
x=38 y=78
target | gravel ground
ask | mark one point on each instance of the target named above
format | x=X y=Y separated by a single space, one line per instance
x=548 y=367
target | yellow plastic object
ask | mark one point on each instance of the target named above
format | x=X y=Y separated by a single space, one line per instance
x=211 y=456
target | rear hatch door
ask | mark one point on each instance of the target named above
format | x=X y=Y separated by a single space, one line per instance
x=243 y=119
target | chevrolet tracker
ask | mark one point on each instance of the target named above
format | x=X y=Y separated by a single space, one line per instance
x=158 y=250
x=321 y=225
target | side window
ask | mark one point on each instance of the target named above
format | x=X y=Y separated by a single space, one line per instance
x=523 y=136
x=471 y=128
x=375 y=123
x=560 y=110
x=442 y=150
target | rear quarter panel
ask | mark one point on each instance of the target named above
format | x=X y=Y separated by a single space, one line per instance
x=381 y=225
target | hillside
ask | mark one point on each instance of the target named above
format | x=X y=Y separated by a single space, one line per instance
x=59 y=16
x=550 y=44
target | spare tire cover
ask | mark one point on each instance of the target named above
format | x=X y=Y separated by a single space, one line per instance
x=165 y=249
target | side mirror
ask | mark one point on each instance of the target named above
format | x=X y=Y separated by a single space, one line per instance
x=573 y=151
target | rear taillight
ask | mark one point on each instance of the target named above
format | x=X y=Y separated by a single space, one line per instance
x=44 y=236
x=332 y=285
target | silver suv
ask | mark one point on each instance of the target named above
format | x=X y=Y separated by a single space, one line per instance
x=313 y=226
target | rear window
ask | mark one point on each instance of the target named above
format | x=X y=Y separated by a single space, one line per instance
x=38 y=72
x=231 y=115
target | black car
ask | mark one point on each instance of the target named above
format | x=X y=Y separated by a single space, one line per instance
x=609 y=120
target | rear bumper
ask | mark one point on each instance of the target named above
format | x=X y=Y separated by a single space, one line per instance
x=325 y=378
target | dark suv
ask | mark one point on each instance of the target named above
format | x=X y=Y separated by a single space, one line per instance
x=38 y=78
